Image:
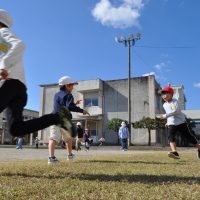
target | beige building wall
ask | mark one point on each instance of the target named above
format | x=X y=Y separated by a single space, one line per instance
x=112 y=98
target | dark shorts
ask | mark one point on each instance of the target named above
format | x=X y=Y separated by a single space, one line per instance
x=184 y=131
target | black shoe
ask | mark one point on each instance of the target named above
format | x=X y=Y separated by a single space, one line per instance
x=198 y=154
x=65 y=120
x=173 y=154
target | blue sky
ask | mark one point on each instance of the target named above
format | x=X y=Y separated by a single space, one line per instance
x=76 y=38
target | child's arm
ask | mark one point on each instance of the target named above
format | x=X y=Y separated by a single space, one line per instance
x=14 y=52
x=72 y=106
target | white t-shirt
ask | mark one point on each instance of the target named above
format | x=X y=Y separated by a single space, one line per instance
x=11 y=52
x=173 y=113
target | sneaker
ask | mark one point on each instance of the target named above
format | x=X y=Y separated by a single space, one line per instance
x=70 y=157
x=52 y=160
x=198 y=154
x=65 y=119
x=125 y=149
x=173 y=154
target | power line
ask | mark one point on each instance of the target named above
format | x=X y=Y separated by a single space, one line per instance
x=167 y=47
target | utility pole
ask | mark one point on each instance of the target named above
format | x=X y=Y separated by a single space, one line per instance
x=128 y=42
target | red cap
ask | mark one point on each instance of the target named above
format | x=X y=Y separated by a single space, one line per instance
x=168 y=89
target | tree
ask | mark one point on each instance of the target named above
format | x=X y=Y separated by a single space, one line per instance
x=114 y=124
x=149 y=124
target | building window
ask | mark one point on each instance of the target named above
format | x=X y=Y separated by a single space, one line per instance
x=91 y=102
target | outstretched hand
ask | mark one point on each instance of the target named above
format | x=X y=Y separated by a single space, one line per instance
x=86 y=113
x=3 y=74
x=78 y=101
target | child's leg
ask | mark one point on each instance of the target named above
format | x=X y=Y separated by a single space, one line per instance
x=52 y=144
x=69 y=146
x=173 y=146
x=54 y=138
x=197 y=146
x=68 y=139
x=172 y=131
x=77 y=143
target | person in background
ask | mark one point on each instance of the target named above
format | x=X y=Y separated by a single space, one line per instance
x=79 y=137
x=101 y=141
x=37 y=142
x=86 y=139
x=123 y=136
x=19 y=142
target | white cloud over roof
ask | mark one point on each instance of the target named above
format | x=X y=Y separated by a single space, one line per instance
x=123 y=16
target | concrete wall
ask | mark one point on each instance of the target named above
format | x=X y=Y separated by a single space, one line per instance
x=116 y=105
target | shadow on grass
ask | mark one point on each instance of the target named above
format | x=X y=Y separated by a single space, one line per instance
x=136 y=162
x=135 y=178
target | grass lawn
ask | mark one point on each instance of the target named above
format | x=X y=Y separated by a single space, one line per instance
x=135 y=176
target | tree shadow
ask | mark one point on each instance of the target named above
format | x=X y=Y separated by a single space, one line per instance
x=140 y=178
x=132 y=178
x=137 y=162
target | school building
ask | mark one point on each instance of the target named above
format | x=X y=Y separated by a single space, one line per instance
x=108 y=99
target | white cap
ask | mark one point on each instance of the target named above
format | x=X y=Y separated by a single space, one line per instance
x=66 y=80
x=123 y=124
x=5 y=18
x=78 y=124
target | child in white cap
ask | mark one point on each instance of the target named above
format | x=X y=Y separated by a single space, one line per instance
x=65 y=100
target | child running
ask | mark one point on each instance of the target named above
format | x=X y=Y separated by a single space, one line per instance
x=13 y=92
x=63 y=99
x=176 y=122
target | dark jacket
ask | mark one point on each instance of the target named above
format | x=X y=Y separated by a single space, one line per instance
x=66 y=99
x=86 y=137
x=79 y=132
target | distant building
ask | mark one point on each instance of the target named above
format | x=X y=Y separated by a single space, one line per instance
x=6 y=138
x=105 y=100
x=180 y=96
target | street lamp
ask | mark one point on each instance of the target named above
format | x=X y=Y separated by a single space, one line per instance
x=128 y=42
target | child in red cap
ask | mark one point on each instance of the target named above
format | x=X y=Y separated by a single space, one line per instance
x=176 y=122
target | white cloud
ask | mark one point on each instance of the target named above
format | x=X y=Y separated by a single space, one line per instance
x=197 y=85
x=160 y=66
x=123 y=16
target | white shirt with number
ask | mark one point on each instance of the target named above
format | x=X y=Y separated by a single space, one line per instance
x=11 y=53
x=173 y=113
